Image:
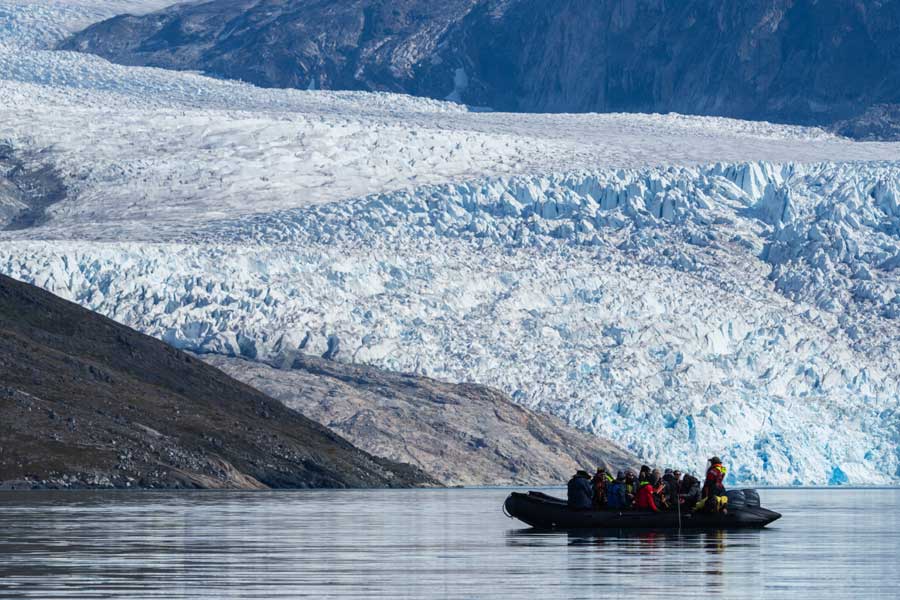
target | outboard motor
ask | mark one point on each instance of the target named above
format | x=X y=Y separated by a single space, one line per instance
x=751 y=497
x=736 y=499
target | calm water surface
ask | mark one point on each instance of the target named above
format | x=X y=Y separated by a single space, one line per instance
x=427 y=544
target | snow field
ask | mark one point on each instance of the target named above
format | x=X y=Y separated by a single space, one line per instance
x=148 y=153
x=41 y=24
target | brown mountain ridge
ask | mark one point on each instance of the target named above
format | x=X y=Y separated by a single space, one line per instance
x=86 y=402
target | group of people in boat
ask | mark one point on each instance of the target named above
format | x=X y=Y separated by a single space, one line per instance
x=649 y=490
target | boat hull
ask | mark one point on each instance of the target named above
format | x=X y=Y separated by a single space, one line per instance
x=545 y=512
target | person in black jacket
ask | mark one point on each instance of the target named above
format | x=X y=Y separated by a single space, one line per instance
x=689 y=490
x=580 y=491
x=644 y=474
x=670 y=489
x=631 y=487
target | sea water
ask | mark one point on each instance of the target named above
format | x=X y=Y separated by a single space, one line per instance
x=453 y=543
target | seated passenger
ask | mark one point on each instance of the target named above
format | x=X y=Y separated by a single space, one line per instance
x=600 y=482
x=644 y=474
x=670 y=489
x=630 y=487
x=689 y=490
x=644 y=499
x=658 y=487
x=580 y=492
x=616 y=495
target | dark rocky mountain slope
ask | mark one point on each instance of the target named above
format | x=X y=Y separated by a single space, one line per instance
x=348 y=44
x=462 y=434
x=29 y=184
x=800 y=61
x=85 y=402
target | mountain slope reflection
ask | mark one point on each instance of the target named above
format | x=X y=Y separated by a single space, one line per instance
x=450 y=543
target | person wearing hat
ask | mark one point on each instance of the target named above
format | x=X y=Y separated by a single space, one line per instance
x=580 y=491
x=714 y=486
x=644 y=473
x=630 y=487
x=602 y=479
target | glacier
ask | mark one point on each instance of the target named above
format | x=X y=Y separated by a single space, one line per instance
x=685 y=286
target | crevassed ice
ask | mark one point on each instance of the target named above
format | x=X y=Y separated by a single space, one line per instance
x=749 y=309
x=41 y=24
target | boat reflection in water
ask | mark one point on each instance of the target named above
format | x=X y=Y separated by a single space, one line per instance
x=648 y=561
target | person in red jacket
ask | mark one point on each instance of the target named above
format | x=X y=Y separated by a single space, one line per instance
x=644 y=498
x=714 y=485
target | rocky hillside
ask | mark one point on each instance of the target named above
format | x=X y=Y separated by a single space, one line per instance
x=801 y=61
x=879 y=122
x=86 y=402
x=352 y=44
x=462 y=434
x=28 y=186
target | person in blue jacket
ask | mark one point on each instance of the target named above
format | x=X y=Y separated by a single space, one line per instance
x=580 y=491
x=615 y=493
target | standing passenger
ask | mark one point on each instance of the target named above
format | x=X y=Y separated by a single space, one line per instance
x=713 y=487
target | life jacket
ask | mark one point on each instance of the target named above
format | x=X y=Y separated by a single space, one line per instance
x=715 y=475
x=720 y=504
x=601 y=481
x=598 y=483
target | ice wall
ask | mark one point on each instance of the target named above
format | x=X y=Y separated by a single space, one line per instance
x=748 y=309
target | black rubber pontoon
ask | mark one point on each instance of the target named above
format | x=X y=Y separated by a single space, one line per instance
x=546 y=512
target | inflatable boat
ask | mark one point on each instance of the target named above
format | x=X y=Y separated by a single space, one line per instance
x=546 y=512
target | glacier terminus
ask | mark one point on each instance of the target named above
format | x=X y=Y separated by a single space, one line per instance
x=678 y=284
